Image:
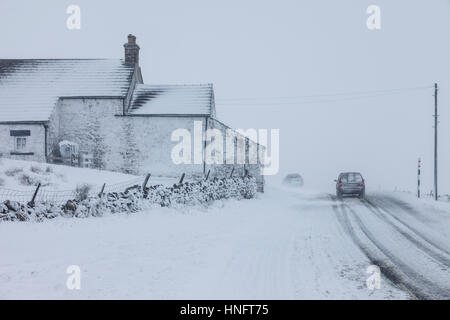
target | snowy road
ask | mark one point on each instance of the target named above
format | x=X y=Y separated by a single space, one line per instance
x=411 y=247
x=284 y=245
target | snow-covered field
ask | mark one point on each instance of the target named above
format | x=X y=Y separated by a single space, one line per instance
x=19 y=179
x=54 y=177
x=17 y=174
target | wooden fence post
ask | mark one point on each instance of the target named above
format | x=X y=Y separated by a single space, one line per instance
x=144 y=185
x=207 y=175
x=103 y=189
x=31 y=203
x=182 y=178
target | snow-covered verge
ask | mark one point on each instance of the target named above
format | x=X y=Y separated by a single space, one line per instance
x=426 y=209
x=425 y=199
x=26 y=175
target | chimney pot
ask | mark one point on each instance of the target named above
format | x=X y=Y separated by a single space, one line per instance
x=131 y=51
x=131 y=39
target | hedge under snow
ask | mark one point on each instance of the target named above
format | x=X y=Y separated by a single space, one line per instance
x=134 y=199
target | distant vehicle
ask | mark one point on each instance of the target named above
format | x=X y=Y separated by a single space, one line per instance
x=294 y=180
x=350 y=183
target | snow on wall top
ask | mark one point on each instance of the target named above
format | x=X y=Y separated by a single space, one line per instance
x=172 y=100
x=29 y=89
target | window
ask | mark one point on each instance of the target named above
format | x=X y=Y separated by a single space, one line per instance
x=351 y=177
x=21 y=143
x=354 y=178
x=19 y=139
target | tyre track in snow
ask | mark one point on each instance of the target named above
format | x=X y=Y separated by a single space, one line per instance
x=387 y=267
x=395 y=269
x=415 y=280
x=432 y=249
x=384 y=203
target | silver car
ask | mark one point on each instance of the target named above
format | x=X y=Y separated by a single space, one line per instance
x=350 y=183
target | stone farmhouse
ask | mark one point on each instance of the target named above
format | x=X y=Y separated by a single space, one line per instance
x=103 y=109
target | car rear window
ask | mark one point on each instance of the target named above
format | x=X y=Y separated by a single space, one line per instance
x=354 y=178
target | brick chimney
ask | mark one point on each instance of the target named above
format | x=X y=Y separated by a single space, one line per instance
x=131 y=51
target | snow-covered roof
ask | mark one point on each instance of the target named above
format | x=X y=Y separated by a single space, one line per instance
x=172 y=100
x=30 y=89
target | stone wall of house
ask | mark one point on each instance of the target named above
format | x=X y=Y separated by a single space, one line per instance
x=91 y=123
x=141 y=144
x=131 y=144
x=251 y=156
x=148 y=146
x=35 y=142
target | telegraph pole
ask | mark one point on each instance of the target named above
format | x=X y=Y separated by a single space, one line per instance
x=435 y=141
x=418 y=179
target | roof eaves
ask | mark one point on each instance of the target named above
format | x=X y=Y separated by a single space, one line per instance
x=91 y=97
x=25 y=122
x=165 y=115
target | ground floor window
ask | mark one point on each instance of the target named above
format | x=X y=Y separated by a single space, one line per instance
x=21 y=144
x=20 y=140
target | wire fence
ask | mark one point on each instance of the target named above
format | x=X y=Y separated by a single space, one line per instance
x=39 y=194
x=426 y=195
x=62 y=196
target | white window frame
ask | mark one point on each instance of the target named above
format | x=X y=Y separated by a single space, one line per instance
x=20 y=143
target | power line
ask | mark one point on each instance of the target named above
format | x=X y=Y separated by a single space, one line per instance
x=356 y=96
x=436 y=196
x=331 y=94
x=304 y=102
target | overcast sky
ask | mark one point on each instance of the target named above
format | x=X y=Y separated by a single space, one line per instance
x=264 y=49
